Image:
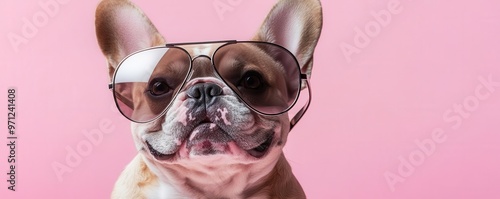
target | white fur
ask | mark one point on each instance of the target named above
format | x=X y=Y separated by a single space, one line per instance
x=204 y=49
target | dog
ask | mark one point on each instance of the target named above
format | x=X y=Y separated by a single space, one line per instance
x=219 y=131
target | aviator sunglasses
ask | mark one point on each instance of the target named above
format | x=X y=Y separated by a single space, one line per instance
x=266 y=77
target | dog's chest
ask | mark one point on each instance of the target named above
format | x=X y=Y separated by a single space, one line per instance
x=230 y=184
x=161 y=191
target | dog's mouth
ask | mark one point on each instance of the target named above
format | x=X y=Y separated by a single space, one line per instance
x=208 y=139
x=158 y=155
x=261 y=150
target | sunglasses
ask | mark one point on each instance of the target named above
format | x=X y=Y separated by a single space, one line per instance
x=266 y=77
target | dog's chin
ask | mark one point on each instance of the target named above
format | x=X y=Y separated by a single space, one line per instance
x=208 y=140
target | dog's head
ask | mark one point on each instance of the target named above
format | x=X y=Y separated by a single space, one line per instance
x=218 y=102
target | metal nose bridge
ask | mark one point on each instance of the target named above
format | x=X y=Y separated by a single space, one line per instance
x=202 y=65
x=210 y=64
x=200 y=56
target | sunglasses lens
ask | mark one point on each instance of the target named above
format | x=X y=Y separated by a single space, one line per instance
x=265 y=76
x=146 y=82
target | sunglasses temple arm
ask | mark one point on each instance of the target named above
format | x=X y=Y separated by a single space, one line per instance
x=301 y=112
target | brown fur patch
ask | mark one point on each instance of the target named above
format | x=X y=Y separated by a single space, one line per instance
x=279 y=184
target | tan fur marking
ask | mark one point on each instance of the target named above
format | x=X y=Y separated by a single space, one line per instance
x=134 y=180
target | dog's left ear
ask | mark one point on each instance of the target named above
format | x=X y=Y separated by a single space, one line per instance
x=123 y=28
x=295 y=25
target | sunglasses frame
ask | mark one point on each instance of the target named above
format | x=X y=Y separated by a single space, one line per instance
x=302 y=78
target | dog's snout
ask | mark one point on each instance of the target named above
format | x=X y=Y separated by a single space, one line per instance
x=204 y=92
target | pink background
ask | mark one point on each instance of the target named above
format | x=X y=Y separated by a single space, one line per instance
x=364 y=119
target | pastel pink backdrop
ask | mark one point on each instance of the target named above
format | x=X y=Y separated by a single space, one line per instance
x=363 y=122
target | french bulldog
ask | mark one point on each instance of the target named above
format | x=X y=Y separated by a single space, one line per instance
x=208 y=139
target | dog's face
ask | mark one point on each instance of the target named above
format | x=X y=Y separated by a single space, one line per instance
x=211 y=117
x=206 y=119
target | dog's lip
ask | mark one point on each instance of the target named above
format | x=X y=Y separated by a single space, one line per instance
x=158 y=155
x=263 y=148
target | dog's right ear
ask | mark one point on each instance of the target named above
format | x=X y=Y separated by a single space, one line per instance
x=122 y=28
x=295 y=25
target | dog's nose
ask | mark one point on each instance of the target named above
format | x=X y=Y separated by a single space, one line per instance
x=204 y=92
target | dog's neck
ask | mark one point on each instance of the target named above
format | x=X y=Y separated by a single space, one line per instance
x=234 y=181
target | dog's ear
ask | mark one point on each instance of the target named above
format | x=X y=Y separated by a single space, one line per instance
x=295 y=25
x=122 y=28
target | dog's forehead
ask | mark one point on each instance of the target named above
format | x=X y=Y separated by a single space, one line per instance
x=201 y=49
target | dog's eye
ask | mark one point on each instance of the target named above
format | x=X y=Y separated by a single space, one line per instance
x=252 y=80
x=158 y=87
